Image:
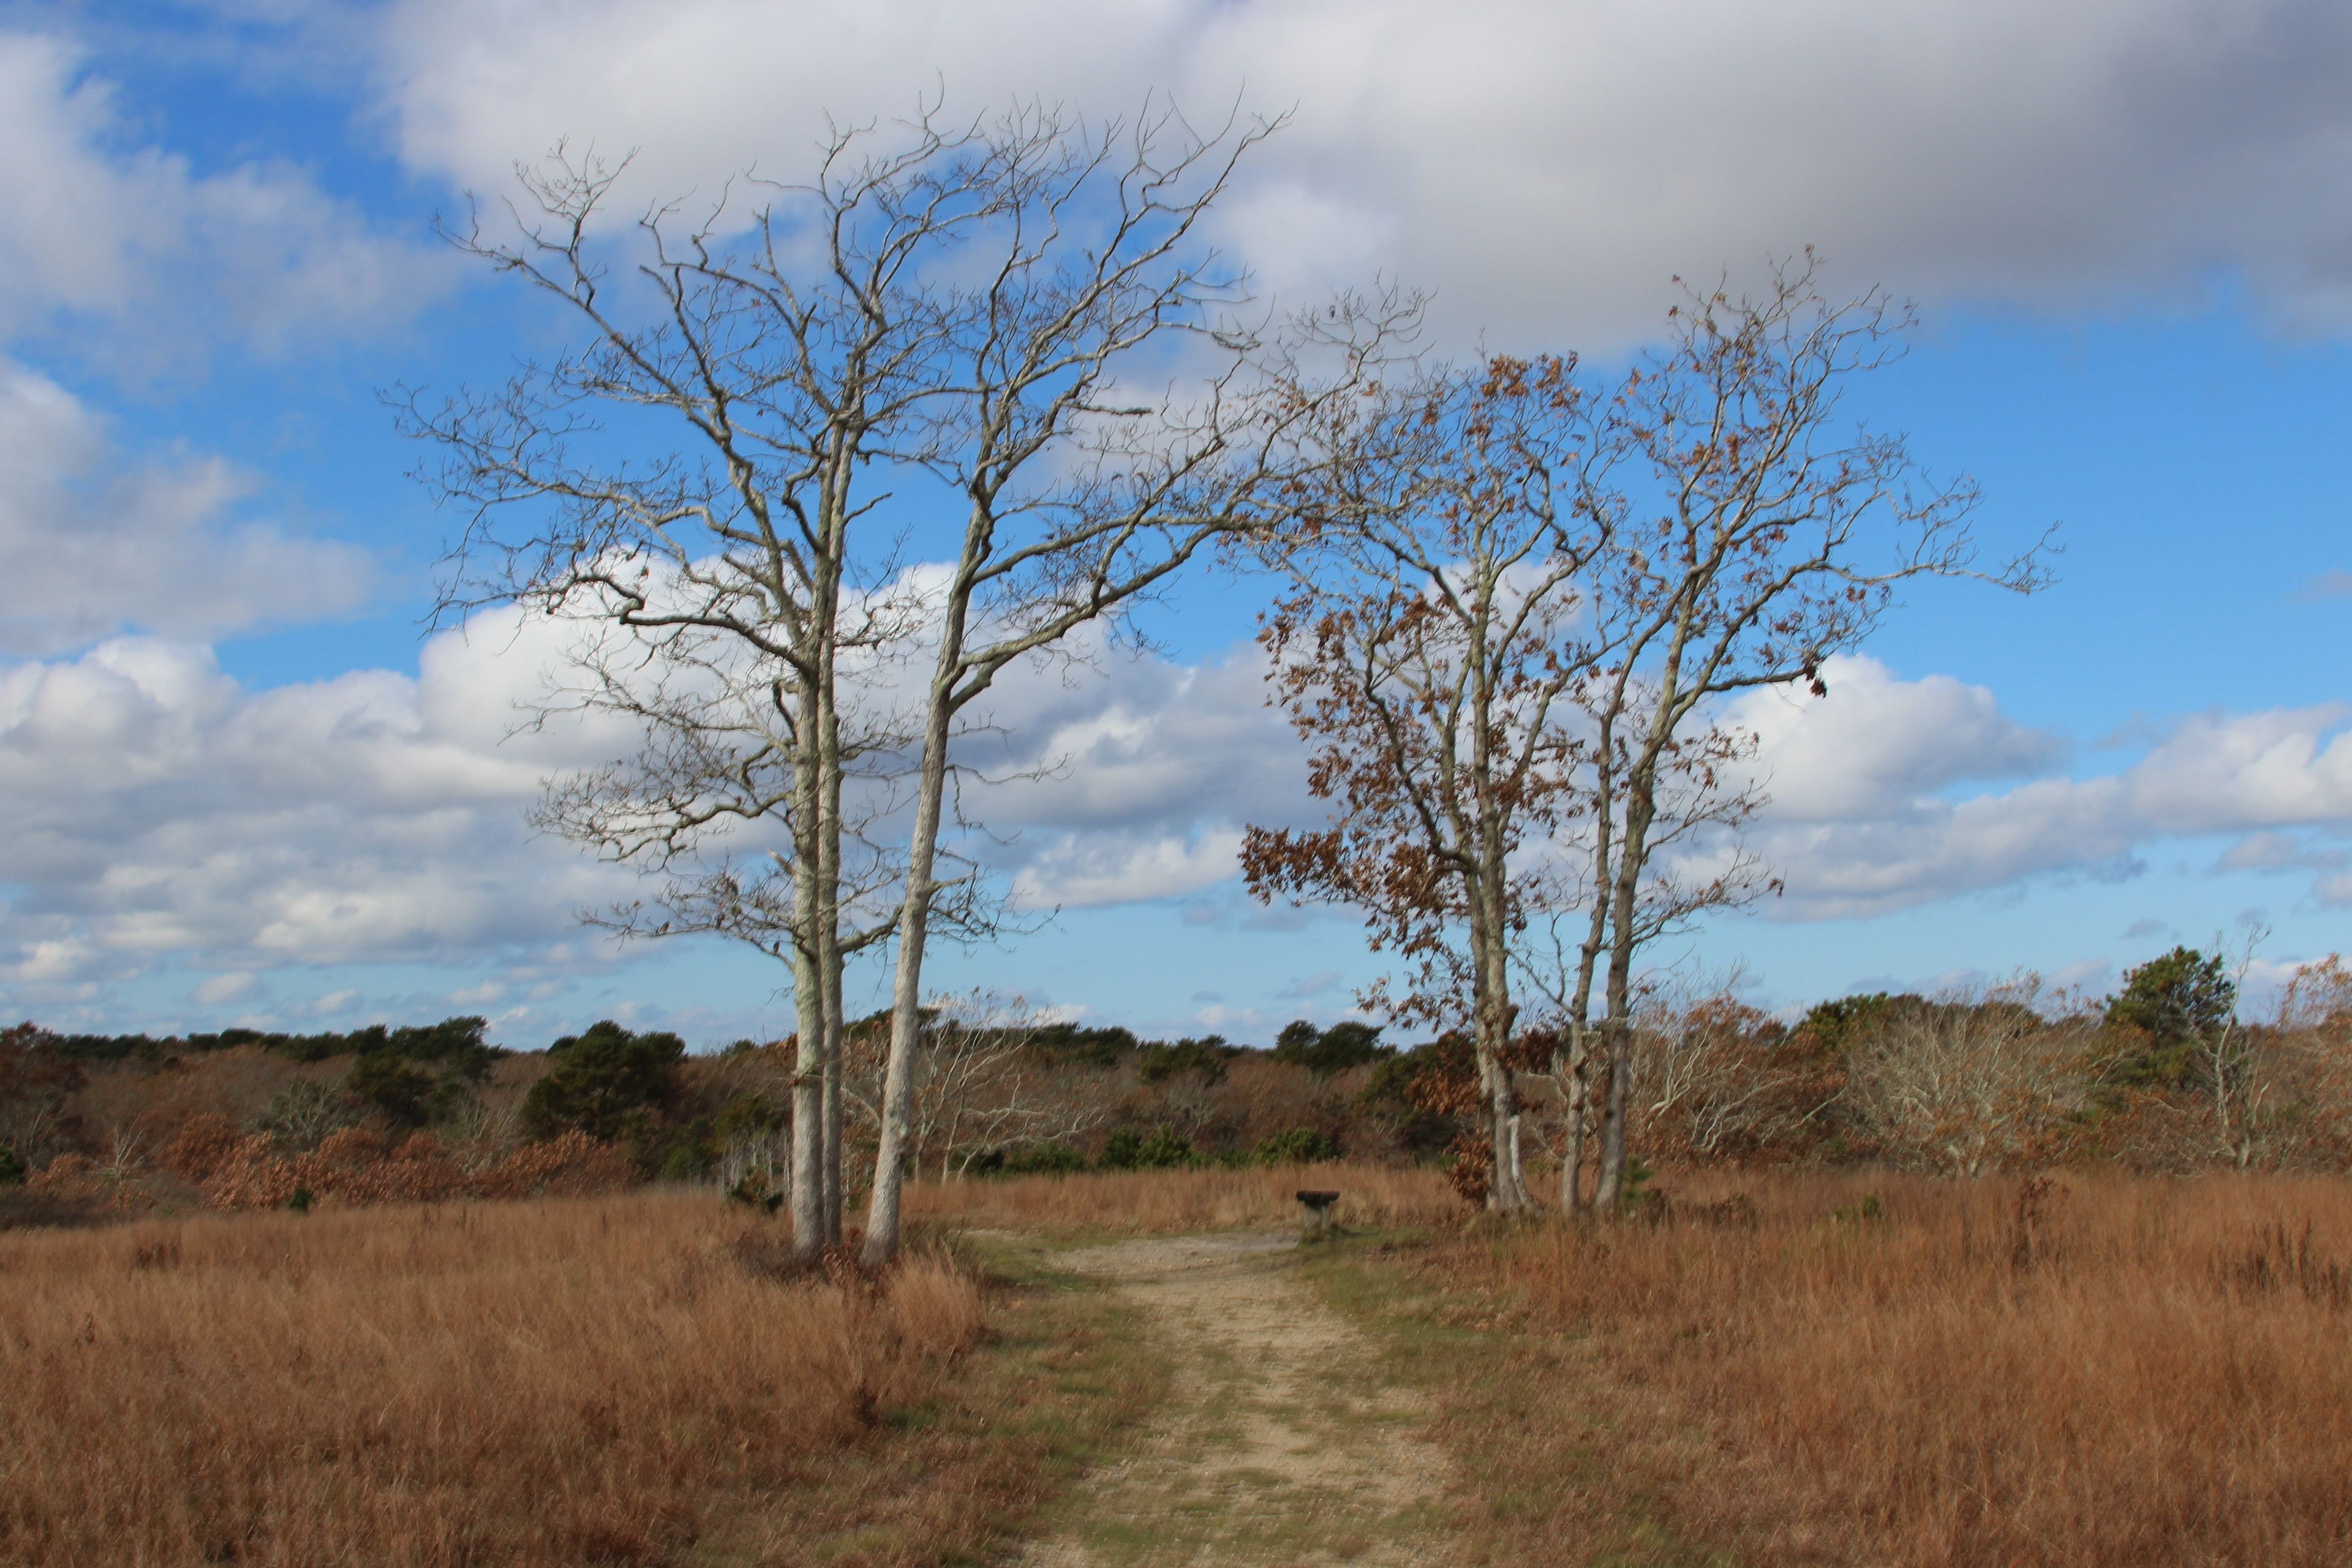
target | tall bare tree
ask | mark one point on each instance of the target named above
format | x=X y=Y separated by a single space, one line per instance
x=1017 y=324
x=1082 y=489
x=1759 y=530
x=688 y=489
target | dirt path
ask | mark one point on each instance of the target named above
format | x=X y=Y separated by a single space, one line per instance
x=1283 y=1444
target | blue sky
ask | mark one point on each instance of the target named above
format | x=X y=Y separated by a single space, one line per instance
x=244 y=788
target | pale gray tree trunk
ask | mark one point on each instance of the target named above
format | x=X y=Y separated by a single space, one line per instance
x=882 y=1219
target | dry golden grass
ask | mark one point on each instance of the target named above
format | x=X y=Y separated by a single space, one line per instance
x=565 y=1381
x=1134 y=1201
x=2146 y=1371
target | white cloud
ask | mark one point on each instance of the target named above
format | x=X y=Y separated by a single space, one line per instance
x=221 y=989
x=1875 y=738
x=92 y=541
x=129 y=252
x=1544 y=165
x=2222 y=772
x=1862 y=817
x=159 y=811
x=162 y=813
x=1155 y=768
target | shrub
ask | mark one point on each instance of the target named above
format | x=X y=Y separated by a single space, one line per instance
x=357 y=1166
x=1162 y=1149
x=605 y=1080
x=1158 y=1062
x=1348 y=1044
x=395 y=1089
x=1299 y=1146
x=205 y=1141
x=1051 y=1158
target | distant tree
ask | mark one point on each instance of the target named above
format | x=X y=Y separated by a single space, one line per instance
x=980 y=1086
x=2169 y=1015
x=1206 y=1058
x=37 y=1084
x=305 y=1112
x=1831 y=1027
x=1971 y=1082
x=605 y=1080
x=394 y=1087
x=1350 y=1043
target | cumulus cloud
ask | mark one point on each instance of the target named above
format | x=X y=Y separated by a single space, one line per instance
x=1865 y=815
x=92 y=541
x=1887 y=794
x=127 y=248
x=1545 y=166
x=161 y=812
x=1135 y=782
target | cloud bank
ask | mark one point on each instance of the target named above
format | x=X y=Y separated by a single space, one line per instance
x=1545 y=166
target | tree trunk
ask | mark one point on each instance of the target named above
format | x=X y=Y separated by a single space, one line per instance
x=914 y=928
x=832 y=1133
x=808 y=1112
x=1571 y=1073
x=1610 y=1188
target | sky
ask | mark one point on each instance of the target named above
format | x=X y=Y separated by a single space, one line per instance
x=244 y=784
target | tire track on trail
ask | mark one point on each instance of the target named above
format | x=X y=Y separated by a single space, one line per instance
x=1283 y=1443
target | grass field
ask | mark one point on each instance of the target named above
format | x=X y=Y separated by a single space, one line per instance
x=1767 y=1369
x=1863 y=1369
x=620 y=1380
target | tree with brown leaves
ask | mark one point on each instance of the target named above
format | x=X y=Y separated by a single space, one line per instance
x=1430 y=649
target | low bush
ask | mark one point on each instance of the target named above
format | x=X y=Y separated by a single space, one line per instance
x=1131 y=1149
x=1299 y=1146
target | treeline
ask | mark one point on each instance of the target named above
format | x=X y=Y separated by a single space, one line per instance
x=241 y=1118
x=451 y=1039
x=2163 y=1075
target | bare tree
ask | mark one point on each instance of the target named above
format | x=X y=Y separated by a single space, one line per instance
x=974 y=316
x=1721 y=1074
x=1759 y=531
x=708 y=558
x=1081 y=495
x=981 y=1085
x=1969 y=1081
x=1429 y=649
x=2235 y=1068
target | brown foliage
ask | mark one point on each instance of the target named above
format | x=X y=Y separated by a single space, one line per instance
x=204 y=1144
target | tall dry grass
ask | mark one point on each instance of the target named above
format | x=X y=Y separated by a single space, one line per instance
x=2114 y=1371
x=1129 y=1201
x=566 y=1382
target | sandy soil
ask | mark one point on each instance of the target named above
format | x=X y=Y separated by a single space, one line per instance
x=1282 y=1444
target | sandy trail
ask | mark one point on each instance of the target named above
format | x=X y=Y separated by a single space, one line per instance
x=1283 y=1443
